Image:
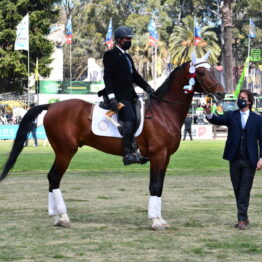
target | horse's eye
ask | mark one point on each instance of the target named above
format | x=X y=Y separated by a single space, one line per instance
x=202 y=73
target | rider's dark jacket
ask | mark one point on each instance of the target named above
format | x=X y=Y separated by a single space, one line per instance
x=118 y=77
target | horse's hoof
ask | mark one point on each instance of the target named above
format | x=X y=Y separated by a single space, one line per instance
x=164 y=223
x=63 y=223
x=157 y=226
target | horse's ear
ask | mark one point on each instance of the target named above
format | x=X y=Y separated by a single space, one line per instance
x=193 y=57
x=206 y=55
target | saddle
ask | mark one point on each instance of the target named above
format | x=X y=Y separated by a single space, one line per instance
x=105 y=125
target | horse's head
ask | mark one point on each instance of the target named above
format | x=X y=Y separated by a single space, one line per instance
x=206 y=81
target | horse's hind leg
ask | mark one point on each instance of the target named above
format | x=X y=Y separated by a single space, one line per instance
x=56 y=205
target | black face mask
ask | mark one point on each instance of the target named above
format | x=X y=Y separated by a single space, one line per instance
x=126 y=45
x=241 y=103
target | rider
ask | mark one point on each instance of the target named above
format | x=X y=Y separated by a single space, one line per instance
x=119 y=76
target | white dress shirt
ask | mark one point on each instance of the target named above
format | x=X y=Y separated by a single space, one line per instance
x=244 y=116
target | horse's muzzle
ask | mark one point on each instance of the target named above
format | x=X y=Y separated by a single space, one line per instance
x=219 y=96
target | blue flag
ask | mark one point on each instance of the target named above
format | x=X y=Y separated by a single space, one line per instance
x=109 y=35
x=252 y=29
x=197 y=33
x=69 y=31
x=153 y=36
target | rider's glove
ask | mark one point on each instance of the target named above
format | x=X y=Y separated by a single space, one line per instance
x=113 y=104
x=150 y=90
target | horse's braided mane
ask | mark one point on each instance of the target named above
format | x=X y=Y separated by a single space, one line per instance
x=163 y=89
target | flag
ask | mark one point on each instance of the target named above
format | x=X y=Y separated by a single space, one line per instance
x=69 y=31
x=197 y=33
x=109 y=35
x=36 y=70
x=252 y=29
x=241 y=79
x=153 y=36
x=22 y=34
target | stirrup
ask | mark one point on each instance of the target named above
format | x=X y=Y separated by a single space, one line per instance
x=141 y=159
x=129 y=159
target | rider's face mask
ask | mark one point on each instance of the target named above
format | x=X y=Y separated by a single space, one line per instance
x=126 y=45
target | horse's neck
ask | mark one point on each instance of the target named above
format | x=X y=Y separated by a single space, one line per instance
x=181 y=100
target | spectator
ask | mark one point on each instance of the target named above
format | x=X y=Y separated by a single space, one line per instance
x=33 y=128
x=188 y=127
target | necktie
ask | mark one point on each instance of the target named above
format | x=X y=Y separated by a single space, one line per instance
x=243 y=120
x=129 y=63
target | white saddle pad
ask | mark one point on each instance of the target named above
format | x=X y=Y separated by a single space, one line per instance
x=101 y=126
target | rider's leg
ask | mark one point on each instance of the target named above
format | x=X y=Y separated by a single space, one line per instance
x=128 y=117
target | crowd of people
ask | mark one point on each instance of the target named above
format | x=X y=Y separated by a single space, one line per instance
x=9 y=119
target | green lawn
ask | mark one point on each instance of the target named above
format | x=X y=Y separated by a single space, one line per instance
x=107 y=205
x=191 y=155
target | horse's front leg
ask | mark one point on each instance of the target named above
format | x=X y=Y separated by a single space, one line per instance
x=158 y=165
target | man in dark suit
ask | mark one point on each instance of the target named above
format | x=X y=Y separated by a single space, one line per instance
x=188 y=127
x=244 y=135
x=119 y=76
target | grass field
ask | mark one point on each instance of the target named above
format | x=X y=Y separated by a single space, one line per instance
x=107 y=204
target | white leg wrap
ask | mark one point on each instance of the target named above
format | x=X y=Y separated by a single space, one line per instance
x=60 y=204
x=154 y=207
x=52 y=211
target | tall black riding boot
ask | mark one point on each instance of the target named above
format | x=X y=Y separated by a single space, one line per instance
x=135 y=150
x=128 y=157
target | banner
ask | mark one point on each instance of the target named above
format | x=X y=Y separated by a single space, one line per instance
x=67 y=87
x=9 y=132
x=22 y=34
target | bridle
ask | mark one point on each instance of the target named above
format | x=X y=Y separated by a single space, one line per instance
x=208 y=90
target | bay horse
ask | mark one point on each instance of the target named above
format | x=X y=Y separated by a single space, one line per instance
x=68 y=127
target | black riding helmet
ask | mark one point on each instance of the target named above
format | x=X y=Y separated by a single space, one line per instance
x=123 y=31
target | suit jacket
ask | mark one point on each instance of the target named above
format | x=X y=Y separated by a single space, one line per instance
x=188 y=122
x=253 y=127
x=117 y=76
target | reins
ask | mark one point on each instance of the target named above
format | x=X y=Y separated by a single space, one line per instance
x=153 y=96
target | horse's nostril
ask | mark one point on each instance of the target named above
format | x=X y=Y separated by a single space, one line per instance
x=220 y=94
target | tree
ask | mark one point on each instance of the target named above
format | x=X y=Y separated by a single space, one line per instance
x=91 y=20
x=227 y=26
x=181 y=43
x=13 y=64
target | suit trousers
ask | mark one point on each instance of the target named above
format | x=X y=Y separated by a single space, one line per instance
x=242 y=175
x=188 y=130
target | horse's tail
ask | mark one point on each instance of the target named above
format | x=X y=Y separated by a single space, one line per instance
x=21 y=137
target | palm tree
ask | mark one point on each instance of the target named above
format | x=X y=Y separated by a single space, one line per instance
x=181 y=43
x=142 y=54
